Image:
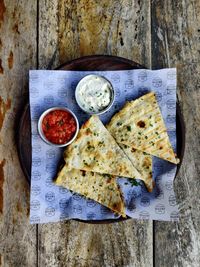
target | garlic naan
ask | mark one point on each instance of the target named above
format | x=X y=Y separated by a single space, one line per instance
x=143 y=163
x=99 y=187
x=96 y=150
x=139 y=124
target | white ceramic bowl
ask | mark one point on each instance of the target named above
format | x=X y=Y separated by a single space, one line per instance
x=41 y=131
x=83 y=80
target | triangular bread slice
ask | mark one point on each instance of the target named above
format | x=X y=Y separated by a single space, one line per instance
x=99 y=187
x=143 y=163
x=96 y=150
x=139 y=124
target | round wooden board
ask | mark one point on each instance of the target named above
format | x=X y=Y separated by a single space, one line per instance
x=86 y=63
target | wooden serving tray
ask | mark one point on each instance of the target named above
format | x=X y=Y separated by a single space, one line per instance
x=98 y=63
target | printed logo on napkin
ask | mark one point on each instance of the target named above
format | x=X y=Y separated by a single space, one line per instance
x=50 y=203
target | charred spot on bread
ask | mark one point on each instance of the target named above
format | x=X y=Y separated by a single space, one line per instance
x=141 y=124
x=83 y=172
x=133 y=149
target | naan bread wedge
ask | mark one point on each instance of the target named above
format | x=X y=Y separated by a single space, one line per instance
x=96 y=150
x=139 y=124
x=143 y=163
x=99 y=187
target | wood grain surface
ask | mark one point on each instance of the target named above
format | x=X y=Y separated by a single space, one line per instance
x=18 y=240
x=45 y=34
x=176 y=34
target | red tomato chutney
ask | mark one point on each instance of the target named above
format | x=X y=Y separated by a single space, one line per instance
x=59 y=126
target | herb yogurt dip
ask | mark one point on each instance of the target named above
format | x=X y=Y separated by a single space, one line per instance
x=94 y=94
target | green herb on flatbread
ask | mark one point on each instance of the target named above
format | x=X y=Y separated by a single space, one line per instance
x=96 y=150
x=148 y=132
x=99 y=187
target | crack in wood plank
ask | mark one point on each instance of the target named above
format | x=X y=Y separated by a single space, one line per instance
x=2 y=163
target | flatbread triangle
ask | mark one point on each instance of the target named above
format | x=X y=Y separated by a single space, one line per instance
x=99 y=187
x=143 y=163
x=96 y=150
x=139 y=124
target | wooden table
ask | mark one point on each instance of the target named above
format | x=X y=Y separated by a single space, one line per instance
x=44 y=34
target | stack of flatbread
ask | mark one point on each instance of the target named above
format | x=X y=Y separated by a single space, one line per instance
x=123 y=149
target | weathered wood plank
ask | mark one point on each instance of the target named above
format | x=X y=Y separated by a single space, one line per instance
x=72 y=29
x=79 y=244
x=83 y=28
x=176 y=33
x=17 y=55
